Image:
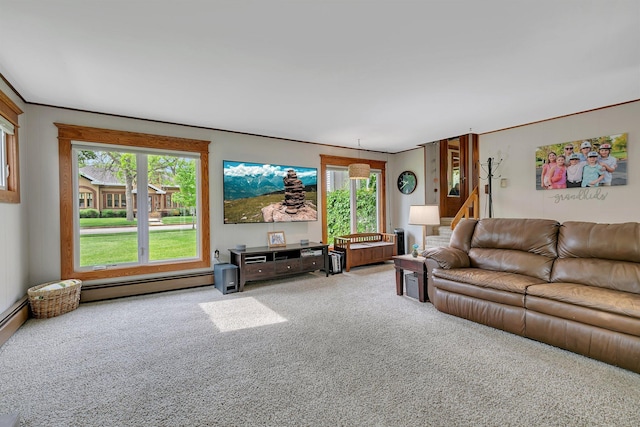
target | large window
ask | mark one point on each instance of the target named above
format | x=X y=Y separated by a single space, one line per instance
x=351 y=206
x=133 y=233
x=9 y=173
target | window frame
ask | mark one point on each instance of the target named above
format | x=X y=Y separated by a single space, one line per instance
x=68 y=133
x=10 y=112
x=327 y=161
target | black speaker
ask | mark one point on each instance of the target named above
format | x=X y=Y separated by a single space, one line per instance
x=225 y=277
x=399 y=232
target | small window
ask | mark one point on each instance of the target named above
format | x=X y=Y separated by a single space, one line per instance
x=9 y=174
x=4 y=172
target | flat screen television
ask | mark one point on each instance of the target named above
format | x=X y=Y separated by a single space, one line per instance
x=265 y=192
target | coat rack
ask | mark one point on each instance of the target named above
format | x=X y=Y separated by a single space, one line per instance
x=489 y=169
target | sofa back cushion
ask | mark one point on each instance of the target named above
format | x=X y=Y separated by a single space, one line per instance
x=462 y=234
x=603 y=255
x=515 y=245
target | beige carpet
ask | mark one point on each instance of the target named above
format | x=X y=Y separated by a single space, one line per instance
x=304 y=351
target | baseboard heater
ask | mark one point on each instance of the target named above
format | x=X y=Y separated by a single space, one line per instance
x=145 y=286
x=12 y=318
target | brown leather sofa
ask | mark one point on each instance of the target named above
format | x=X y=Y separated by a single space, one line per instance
x=574 y=285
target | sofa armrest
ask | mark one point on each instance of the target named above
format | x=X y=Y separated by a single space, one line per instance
x=447 y=257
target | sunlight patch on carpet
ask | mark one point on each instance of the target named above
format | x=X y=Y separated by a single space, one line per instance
x=240 y=313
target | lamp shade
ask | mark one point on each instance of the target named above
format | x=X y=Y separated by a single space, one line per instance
x=424 y=215
x=359 y=171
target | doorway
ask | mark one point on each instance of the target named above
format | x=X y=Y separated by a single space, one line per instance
x=457 y=178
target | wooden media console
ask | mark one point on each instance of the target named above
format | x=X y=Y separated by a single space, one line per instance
x=262 y=263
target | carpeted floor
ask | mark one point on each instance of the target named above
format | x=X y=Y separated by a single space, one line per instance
x=303 y=351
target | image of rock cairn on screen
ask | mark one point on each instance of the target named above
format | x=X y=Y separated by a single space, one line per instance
x=294 y=207
x=266 y=192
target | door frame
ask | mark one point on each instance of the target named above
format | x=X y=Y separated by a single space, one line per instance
x=469 y=174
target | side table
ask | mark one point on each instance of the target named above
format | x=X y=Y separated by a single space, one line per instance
x=417 y=265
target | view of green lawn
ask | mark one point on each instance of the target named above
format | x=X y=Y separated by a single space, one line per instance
x=115 y=248
x=170 y=220
x=105 y=222
x=122 y=222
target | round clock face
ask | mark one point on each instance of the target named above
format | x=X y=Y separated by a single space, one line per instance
x=407 y=182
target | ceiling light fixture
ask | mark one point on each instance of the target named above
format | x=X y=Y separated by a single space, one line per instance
x=359 y=170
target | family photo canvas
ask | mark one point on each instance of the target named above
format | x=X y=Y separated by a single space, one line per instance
x=585 y=163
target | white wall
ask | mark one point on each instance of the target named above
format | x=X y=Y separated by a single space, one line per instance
x=42 y=152
x=517 y=146
x=412 y=160
x=14 y=232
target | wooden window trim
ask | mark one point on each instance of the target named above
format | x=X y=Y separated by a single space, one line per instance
x=327 y=161
x=68 y=133
x=10 y=111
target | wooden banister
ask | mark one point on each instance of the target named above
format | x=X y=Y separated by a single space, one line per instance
x=472 y=202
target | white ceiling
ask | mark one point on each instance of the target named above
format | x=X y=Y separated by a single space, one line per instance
x=393 y=74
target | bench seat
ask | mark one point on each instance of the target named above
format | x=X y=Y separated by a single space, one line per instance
x=366 y=248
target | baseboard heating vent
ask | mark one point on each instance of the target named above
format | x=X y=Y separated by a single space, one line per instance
x=12 y=318
x=144 y=286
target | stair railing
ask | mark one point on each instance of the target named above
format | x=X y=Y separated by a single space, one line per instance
x=470 y=209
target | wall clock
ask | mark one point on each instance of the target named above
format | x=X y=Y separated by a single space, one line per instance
x=407 y=182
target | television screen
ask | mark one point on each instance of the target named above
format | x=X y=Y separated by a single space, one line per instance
x=264 y=192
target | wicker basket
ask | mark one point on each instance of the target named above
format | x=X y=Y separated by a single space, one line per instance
x=47 y=303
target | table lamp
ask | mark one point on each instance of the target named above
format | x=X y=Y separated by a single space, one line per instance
x=424 y=215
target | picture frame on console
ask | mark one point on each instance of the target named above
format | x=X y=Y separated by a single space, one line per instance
x=276 y=239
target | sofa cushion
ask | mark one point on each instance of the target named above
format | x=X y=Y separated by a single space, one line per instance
x=617 y=242
x=499 y=280
x=478 y=292
x=602 y=273
x=623 y=303
x=537 y=236
x=515 y=245
x=604 y=308
x=512 y=261
x=462 y=234
x=603 y=255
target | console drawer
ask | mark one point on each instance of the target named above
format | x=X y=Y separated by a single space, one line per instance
x=261 y=270
x=312 y=263
x=287 y=266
